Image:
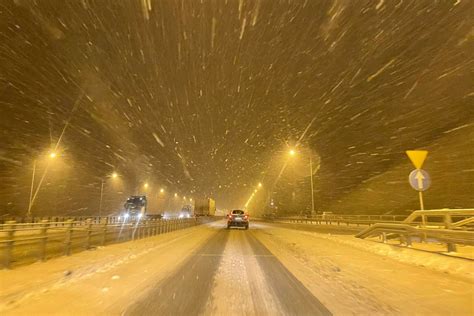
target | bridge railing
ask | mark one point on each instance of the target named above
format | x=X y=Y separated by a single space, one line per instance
x=22 y=243
x=62 y=219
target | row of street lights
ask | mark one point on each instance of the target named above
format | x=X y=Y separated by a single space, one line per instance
x=253 y=194
x=51 y=156
x=146 y=186
x=292 y=153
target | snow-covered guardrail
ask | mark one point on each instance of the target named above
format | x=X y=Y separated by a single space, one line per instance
x=439 y=218
x=448 y=226
x=29 y=242
x=343 y=219
x=406 y=233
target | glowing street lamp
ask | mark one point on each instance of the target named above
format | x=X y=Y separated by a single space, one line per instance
x=52 y=155
x=146 y=185
x=292 y=152
x=162 y=190
x=260 y=184
x=176 y=195
x=114 y=175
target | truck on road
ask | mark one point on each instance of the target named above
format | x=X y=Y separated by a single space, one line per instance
x=204 y=207
x=136 y=207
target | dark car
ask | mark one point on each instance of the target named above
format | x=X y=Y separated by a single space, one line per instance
x=238 y=218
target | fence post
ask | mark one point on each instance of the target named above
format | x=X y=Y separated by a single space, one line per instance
x=10 y=229
x=89 y=233
x=451 y=247
x=447 y=224
x=43 y=240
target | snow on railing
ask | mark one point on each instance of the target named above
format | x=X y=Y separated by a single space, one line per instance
x=29 y=242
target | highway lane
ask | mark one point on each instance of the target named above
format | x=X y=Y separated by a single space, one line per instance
x=266 y=270
x=233 y=272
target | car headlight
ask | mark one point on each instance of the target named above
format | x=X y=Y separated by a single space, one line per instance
x=126 y=215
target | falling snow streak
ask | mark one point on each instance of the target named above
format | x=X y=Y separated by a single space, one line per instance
x=204 y=98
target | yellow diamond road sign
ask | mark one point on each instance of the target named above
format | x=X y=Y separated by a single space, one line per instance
x=417 y=157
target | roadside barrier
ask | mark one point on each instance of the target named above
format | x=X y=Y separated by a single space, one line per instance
x=22 y=243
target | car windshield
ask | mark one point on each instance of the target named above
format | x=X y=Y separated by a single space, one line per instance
x=227 y=157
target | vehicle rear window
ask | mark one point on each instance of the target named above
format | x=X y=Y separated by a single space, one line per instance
x=238 y=212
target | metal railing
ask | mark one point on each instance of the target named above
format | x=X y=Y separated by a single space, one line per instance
x=61 y=219
x=343 y=219
x=22 y=243
x=406 y=233
x=448 y=226
x=446 y=218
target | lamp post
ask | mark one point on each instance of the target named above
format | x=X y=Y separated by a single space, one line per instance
x=52 y=155
x=102 y=184
x=31 y=189
x=101 y=196
x=312 y=189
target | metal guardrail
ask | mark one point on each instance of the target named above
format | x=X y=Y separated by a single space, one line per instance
x=344 y=219
x=62 y=219
x=30 y=242
x=447 y=218
x=449 y=226
x=406 y=233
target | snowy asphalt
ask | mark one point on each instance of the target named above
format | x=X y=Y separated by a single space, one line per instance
x=190 y=289
x=270 y=269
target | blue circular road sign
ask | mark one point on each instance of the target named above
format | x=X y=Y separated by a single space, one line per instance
x=419 y=180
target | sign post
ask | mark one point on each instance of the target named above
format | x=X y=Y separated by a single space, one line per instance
x=419 y=179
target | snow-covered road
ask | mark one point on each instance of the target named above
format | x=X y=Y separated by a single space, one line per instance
x=267 y=270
